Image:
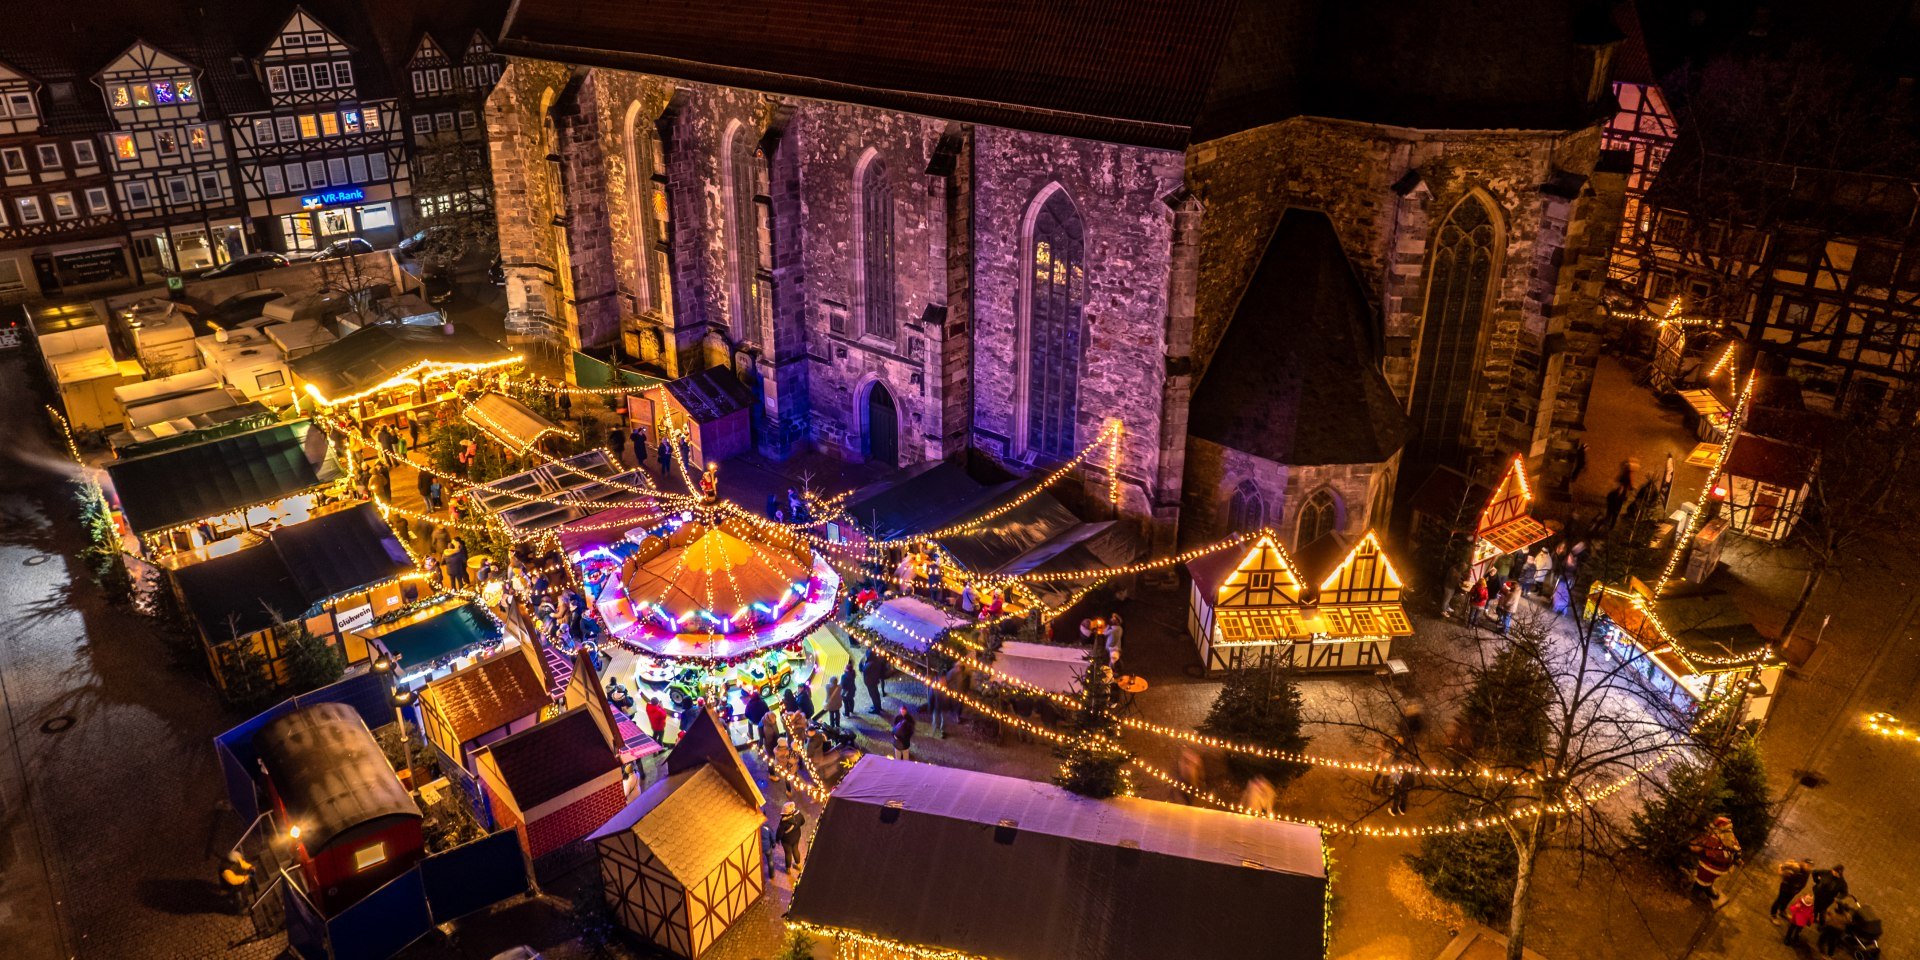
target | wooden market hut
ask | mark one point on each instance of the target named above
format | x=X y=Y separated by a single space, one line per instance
x=915 y=860
x=436 y=639
x=1506 y=524
x=1246 y=607
x=483 y=703
x=386 y=369
x=231 y=483
x=683 y=861
x=512 y=424
x=716 y=409
x=553 y=783
x=325 y=775
x=1767 y=482
x=1688 y=646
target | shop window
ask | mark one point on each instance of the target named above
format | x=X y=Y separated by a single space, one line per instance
x=30 y=210
x=336 y=221
x=330 y=124
x=166 y=142
x=97 y=200
x=13 y=160
x=263 y=131
x=277 y=79
x=309 y=126
x=49 y=156
x=63 y=207
x=376 y=216
x=83 y=153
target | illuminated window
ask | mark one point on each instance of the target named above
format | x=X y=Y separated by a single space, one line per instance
x=163 y=91
x=121 y=98
x=1459 y=279
x=1058 y=292
x=336 y=221
x=372 y=119
x=63 y=207
x=876 y=250
x=187 y=92
x=30 y=210
x=142 y=95
x=309 y=126
x=198 y=139
x=124 y=147
x=350 y=121
x=330 y=124
x=166 y=142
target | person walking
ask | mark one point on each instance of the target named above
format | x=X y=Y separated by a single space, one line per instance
x=874 y=670
x=1834 y=923
x=1399 y=790
x=903 y=727
x=1113 y=642
x=1794 y=875
x=617 y=439
x=1799 y=917
x=1828 y=885
x=959 y=681
x=790 y=833
x=834 y=701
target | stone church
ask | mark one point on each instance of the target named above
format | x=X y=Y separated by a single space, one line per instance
x=1299 y=249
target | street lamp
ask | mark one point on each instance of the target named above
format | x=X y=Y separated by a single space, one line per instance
x=402 y=699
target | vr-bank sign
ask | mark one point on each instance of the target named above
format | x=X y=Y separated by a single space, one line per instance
x=315 y=201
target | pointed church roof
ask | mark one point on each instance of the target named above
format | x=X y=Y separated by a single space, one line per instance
x=1296 y=379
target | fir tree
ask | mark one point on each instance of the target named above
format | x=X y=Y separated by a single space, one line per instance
x=1261 y=706
x=312 y=662
x=1092 y=761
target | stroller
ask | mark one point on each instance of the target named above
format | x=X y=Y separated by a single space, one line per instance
x=1861 y=941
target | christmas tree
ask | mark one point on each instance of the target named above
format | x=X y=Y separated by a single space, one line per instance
x=1092 y=761
x=1259 y=705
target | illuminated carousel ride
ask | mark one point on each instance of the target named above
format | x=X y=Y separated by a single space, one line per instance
x=708 y=603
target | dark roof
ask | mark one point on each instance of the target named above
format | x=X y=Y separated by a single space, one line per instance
x=329 y=772
x=710 y=394
x=1770 y=461
x=373 y=355
x=490 y=694
x=399 y=25
x=552 y=758
x=1133 y=71
x=1029 y=871
x=590 y=477
x=706 y=743
x=926 y=500
x=340 y=551
x=1296 y=379
x=185 y=484
x=447 y=632
x=241 y=593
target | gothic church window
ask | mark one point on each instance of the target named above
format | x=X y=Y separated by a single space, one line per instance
x=749 y=232
x=1458 y=281
x=1245 y=512
x=1056 y=300
x=653 y=215
x=1319 y=517
x=876 y=252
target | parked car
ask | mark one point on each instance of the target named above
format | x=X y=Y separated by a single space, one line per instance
x=247 y=263
x=421 y=242
x=437 y=286
x=244 y=305
x=351 y=246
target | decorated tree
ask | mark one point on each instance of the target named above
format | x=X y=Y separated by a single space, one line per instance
x=1259 y=705
x=1092 y=760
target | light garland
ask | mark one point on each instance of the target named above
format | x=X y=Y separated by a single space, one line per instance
x=1725 y=361
x=881 y=946
x=1888 y=725
x=1143 y=566
x=1685 y=534
x=498 y=431
x=1693 y=659
x=415 y=375
x=1113 y=462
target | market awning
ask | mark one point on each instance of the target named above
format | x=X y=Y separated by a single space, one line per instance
x=434 y=633
x=526 y=504
x=511 y=422
x=1707 y=406
x=910 y=622
x=1514 y=535
x=385 y=356
x=1043 y=665
x=178 y=486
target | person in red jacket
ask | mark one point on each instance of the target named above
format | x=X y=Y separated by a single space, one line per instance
x=657 y=720
x=1478 y=597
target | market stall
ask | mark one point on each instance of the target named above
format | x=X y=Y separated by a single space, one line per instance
x=1767 y=482
x=383 y=371
x=1690 y=648
x=511 y=423
x=1248 y=608
x=1505 y=525
x=435 y=637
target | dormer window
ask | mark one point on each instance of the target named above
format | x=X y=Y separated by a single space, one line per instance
x=186 y=91
x=163 y=92
x=142 y=95
x=277 y=79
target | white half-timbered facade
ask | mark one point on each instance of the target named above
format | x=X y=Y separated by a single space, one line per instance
x=321 y=163
x=171 y=175
x=445 y=99
x=58 y=231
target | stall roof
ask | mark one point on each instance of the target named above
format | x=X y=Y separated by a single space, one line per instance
x=490 y=694
x=156 y=415
x=1702 y=621
x=173 y=487
x=372 y=356
x=327 y=769
x=692 y=821
x=511 y=422
x=590 y=476
x=710 y=394
x=241 y=593
x=1769 y=461
x=1029 y=871
x=917 y=622
x=1042 y=664
x=549 y=759
x=340 y=551
x=448 y=631
x=297 y=338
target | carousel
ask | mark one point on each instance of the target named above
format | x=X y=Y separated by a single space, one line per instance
x=704 y=602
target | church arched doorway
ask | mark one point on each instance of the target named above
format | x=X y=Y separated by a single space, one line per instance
x=881 y=441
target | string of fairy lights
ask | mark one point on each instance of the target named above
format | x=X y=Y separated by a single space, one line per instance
x=1691 y=523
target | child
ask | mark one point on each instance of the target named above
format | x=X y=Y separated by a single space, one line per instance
x=1799 y=917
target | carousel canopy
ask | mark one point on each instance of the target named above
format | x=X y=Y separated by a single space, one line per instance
x=717 y=569
x=511 y=422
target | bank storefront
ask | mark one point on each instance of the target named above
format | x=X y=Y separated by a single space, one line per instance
x=312 y=220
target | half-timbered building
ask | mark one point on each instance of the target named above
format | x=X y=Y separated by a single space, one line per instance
x=446 y=86
x=58 y=231
x=325 y=159
x=172 y=176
